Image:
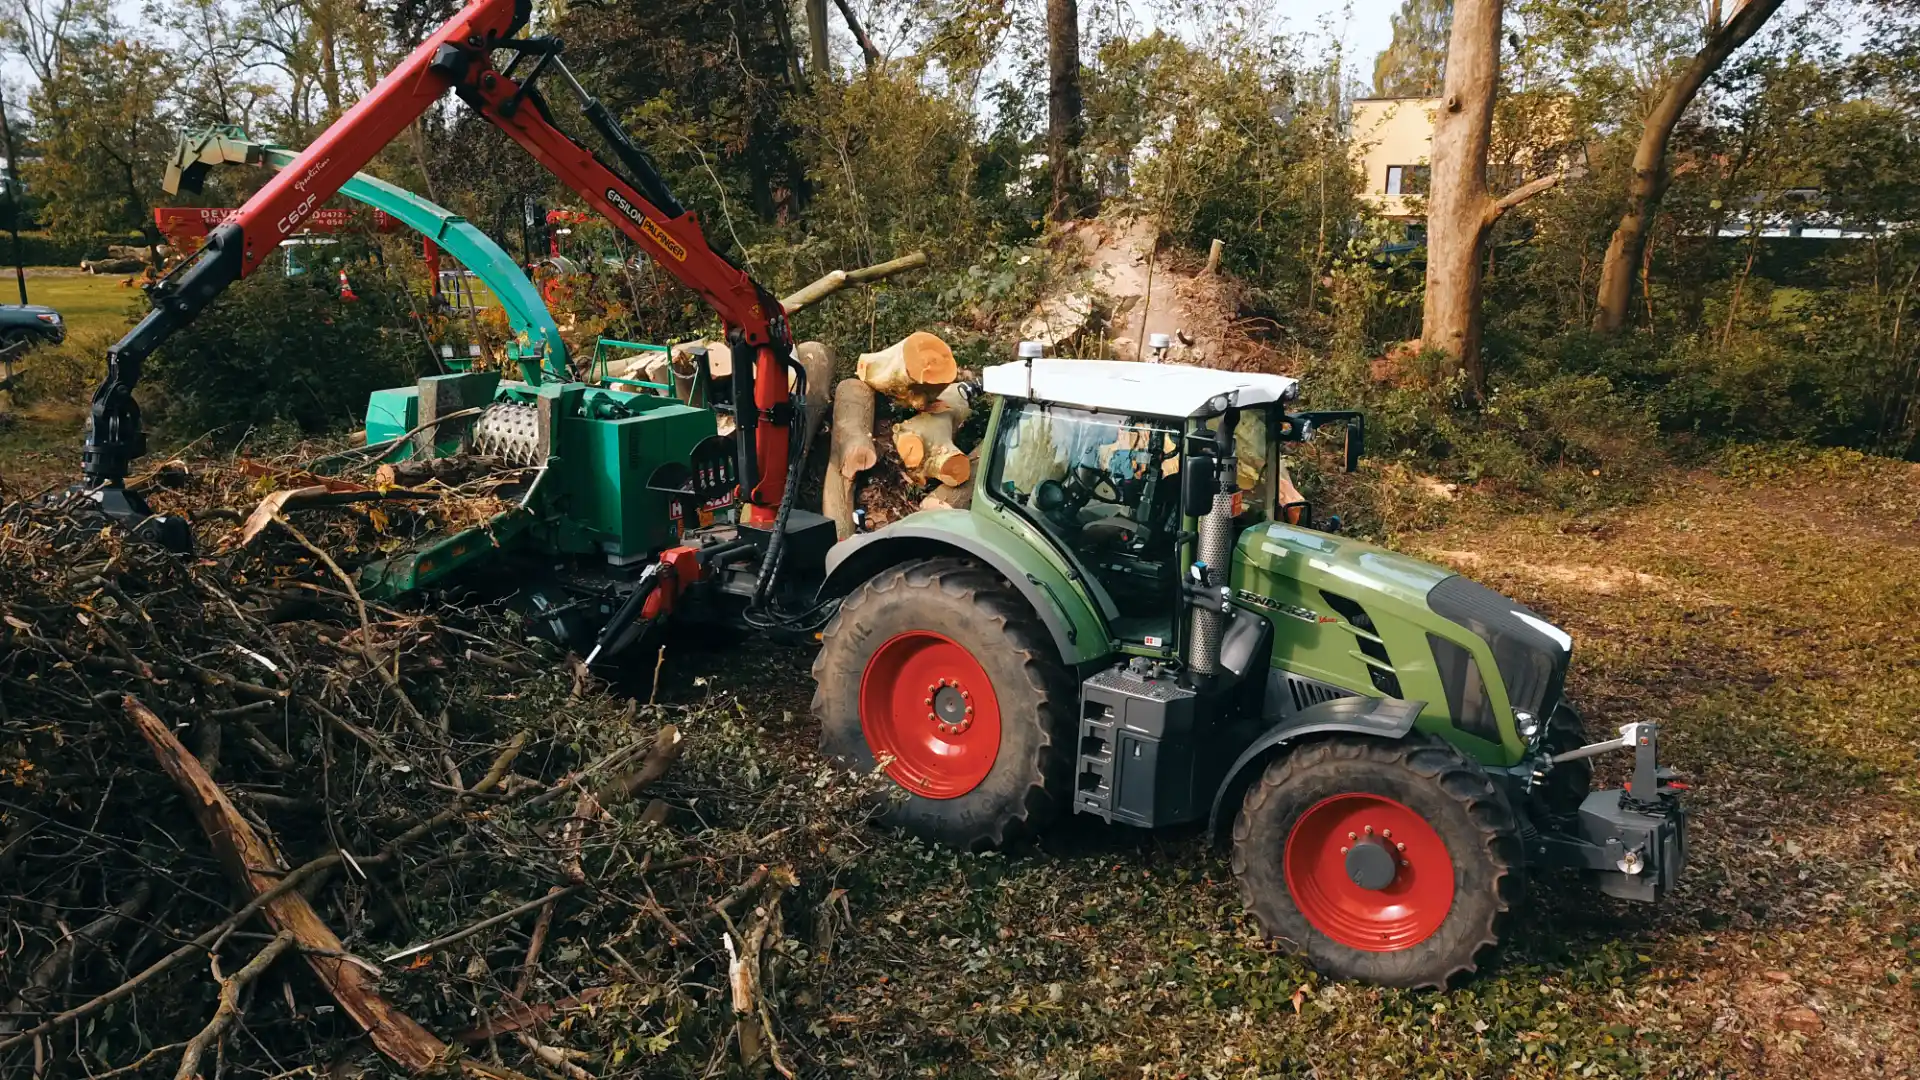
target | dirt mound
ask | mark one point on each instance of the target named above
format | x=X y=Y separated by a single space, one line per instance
x=1142 y=289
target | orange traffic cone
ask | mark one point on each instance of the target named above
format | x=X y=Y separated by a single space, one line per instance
x=346 y=290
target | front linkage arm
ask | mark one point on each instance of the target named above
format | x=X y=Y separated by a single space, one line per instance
x=458 y=56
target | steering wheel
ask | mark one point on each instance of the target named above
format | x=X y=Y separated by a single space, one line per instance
x=1063 y=499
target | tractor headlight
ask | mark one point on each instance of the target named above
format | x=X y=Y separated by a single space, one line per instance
x=48 y=317
x=1530 y=728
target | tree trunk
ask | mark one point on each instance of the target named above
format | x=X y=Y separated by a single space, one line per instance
x=820 y=65
x=1460 y=211
x=1063 y=104
x=819 y=361
x=1649 y=181
x=867 y=48
x=912 y=371
x=1457 y=208
x=948 y=498
x=850 y=451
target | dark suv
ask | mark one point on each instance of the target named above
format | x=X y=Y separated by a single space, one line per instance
x=30 y=322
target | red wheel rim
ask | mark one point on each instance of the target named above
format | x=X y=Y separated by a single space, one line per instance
x=926 y=703
x=1322 y=864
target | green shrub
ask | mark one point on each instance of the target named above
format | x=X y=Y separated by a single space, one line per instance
x=43 y=249
x=274 y=348
x=65 y=374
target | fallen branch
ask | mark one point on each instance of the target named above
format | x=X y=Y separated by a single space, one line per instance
x=228 y=1011
x=314 y=497
x=254 y=866
x=523 y=1015
x=833 y=281
x=55 y=967
x=210 y=938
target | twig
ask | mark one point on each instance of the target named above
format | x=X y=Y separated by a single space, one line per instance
x=553 y=1057
x=498 y=664
x=213 y=935
x=541 y=926
x=228 y=1010
x=143 y=1061
x=380 y=450
x=392 y=679
x=57 y=963
x=483 y=924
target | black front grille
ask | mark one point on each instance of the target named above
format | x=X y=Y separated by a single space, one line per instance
x=1532 y=664
x=1467 y=700
x=1384 y=678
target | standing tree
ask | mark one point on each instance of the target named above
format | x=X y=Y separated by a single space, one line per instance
x=105 y=133
x=819 y=55
x=1648 y=182
x=1063 y=104
x=1415 y=61
x=1460 y=210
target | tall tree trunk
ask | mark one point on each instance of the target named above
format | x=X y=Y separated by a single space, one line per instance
x=820 y=67
x=1649 y=181
x=1063 y=104
x=867 y=48
x=789 y=56
x=1460 y=210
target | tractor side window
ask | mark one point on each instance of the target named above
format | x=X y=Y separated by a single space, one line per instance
x=1254 y=451
x=1107 y=487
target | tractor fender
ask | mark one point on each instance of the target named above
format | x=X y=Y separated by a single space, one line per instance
x=1386 y=718
x=1075 y=626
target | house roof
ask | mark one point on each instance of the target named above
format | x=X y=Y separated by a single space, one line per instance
x=1138 y=389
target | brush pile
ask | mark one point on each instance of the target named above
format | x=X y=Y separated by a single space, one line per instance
x=252 y=826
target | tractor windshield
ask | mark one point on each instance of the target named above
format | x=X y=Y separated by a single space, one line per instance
x=1106 y=486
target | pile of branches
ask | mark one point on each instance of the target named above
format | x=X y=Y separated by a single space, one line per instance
x=251 y=825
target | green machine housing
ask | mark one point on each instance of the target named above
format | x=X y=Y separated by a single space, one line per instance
x=595 y=449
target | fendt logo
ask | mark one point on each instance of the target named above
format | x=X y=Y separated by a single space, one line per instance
x=656 y=233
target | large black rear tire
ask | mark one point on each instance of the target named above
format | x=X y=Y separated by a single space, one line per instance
x=942 y=669
x=1394 y=863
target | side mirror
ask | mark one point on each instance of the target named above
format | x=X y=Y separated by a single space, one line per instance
x=1299 y=428
x=1197 y=485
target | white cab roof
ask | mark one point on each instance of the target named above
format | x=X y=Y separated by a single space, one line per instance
x=1124 y=386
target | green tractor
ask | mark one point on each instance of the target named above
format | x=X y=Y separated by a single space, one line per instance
x=1126 y=623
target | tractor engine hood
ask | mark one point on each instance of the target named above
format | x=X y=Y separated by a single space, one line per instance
x=1414 y=609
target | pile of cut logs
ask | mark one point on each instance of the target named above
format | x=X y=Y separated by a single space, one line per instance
x=917 y=373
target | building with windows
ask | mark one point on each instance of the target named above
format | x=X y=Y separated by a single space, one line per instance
x=1392 y=144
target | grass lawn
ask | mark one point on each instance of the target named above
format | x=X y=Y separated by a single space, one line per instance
x=86 y=301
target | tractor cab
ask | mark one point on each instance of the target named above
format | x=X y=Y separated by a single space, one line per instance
x=1096 y=454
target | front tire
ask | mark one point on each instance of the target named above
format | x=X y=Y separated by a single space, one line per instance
x=1393 y=863
x=1568 y=782
x=940 y=670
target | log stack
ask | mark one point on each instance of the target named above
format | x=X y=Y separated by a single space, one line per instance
x=927 y=407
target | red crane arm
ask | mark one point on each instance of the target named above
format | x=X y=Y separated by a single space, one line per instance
x=458 y=56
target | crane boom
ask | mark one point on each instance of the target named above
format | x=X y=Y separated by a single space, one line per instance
x=459 y=57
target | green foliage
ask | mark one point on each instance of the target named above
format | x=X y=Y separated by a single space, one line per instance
x=1236 y=140
x=1414 y=63
x=275 y=348
x=42 y=248
x=103 y=137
